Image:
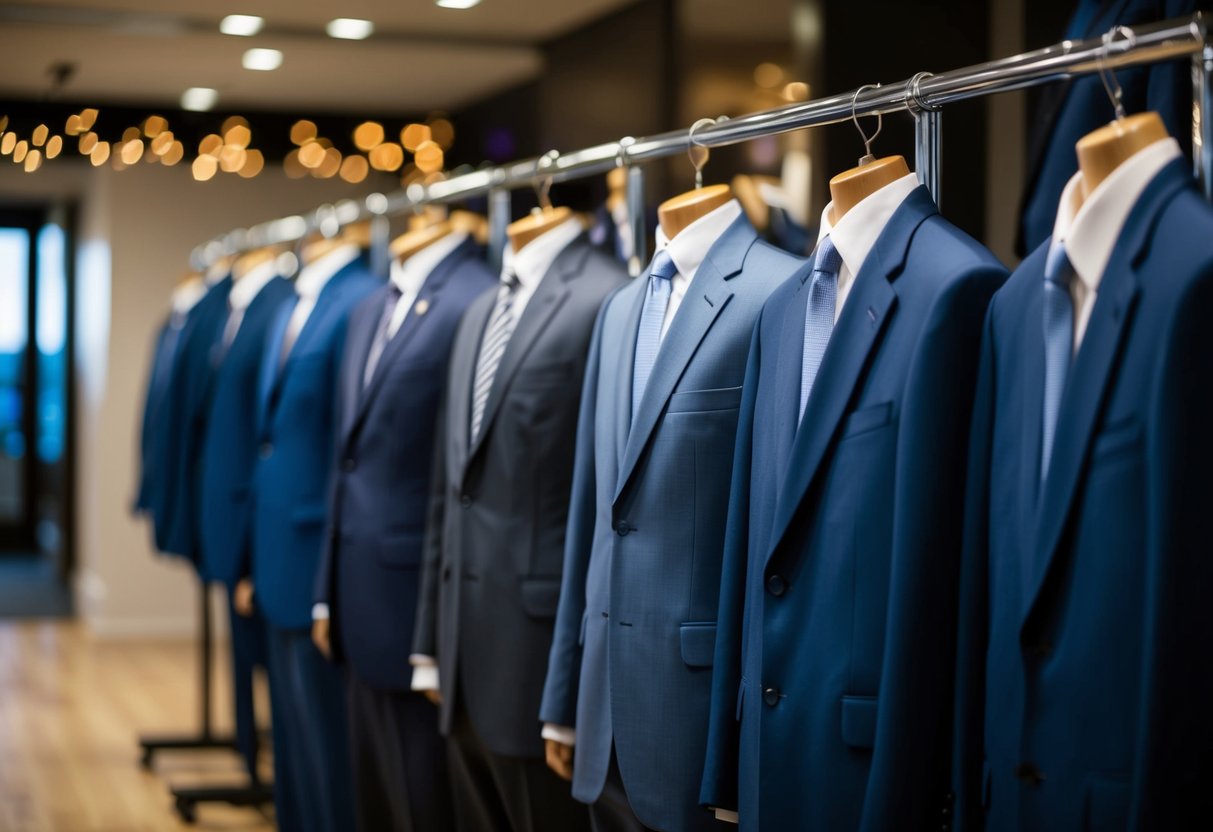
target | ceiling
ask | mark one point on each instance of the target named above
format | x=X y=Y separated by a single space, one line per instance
x=148 y=52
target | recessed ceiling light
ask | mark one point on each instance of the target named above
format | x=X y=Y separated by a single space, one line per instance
x=262 y=59
x=199 y=99
x=244 y=25
x=457 y=4
x=349 y=28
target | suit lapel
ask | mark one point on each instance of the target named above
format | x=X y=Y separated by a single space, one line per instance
x=787 y=374
x=706 y=297
x=854 y=339
x=623 y=380
x=462 y=376
x=1092 y=372
x=270 y=370
x=549 y=296
x=361 y=333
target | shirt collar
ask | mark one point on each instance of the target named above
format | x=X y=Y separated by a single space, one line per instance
x=855 y=235
x=187 y=295
x=690 y=246
x=534 y=261
x=1090 y=228
x=251 y=283
x=314 y=276
x=410 y=274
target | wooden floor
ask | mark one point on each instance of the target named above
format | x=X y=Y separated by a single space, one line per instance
x=70 y=712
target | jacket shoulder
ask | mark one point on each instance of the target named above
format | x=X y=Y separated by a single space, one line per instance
x=772 y=266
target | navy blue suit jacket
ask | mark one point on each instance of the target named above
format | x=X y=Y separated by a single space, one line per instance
x=1072 y=108
x=229 y=444
x=837 y=609
x=370 y=574
x=1084 y=677
x=297 y=418
x=632 y=655
x=175 y=509
x=157 y=387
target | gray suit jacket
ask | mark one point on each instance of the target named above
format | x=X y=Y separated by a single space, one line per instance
x=495 y=535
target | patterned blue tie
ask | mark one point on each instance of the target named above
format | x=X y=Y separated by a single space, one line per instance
x=648 y=336
x=1059 y=344
x=819 y=322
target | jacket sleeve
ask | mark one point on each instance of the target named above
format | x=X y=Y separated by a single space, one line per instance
x=1173 y=767
x=559 y=704
x=908 y=783
x=425 y=638
x=967 y=764
x=719 y=787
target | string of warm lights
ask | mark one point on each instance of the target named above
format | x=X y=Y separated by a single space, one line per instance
x=230 y=149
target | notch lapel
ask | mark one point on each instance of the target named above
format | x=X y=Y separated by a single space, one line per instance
x=361 y=333
x=462 y=376
x=787 y=373
x=1090 y=378
x=707 y=296
x=270 y=369
x=854 y=339
x=623 y=380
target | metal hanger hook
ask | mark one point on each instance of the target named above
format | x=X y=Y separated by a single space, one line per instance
x=699 y=153
x=1108 y=76
x=543 y=184
x=867 y=140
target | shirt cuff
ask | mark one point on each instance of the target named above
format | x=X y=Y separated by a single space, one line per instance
x=320 y=612
x=425 y=672
x=726 y=815
x=559 y=733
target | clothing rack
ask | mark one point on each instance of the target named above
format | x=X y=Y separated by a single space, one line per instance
x=923 y=95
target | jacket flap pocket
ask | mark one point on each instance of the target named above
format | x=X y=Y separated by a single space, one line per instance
x=698 y=643
x=310 y=514
x=868 y=418
x=859 y=721
x=723 y=398
x=401 y=549
x=1117 y=438
x=1107 y=802
x=540 y=596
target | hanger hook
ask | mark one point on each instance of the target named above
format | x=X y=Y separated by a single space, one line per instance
x=543 y=184
x=698 y=152
x=867 y=140
x=1108 y=76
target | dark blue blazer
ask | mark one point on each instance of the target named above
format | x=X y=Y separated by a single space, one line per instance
x=1084 y=678
x=1070 y=109
x=229 y=445
x=370 y=573
x=297 y=418
x=175 y=509
x=834 y=658
x=631 y=661
x=157 y=387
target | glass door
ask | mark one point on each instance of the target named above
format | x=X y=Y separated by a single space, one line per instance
x=18 y=378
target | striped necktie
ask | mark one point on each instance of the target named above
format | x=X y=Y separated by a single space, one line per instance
x=492 y=347
x=1059 y=345
x=819 y=320
x=648 y=334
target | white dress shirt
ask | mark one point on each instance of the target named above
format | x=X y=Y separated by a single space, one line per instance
x=309 y=284
x=243 y=292
x=186 y=296
x=529 y=266
x=857 y=232
x=1090 y=228
x=688 y=250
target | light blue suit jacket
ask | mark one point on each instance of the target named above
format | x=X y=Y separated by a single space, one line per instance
x=636 y=627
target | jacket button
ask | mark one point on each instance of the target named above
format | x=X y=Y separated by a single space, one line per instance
x=266 y=450
x=776 y=585
x=1030 y=774
x=465 y=501
x=622 y=528
x=771 y=696
x=349 y=465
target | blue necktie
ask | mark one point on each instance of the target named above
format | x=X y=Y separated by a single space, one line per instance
x=819 y=321
x=1059 y=344
x=648 y=336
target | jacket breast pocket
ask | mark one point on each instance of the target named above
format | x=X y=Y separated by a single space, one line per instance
x=1120 y=440
x=700 y=401
x=859 y=721
x=698 y=643
x=868 y=419
x=548 y=374
x=401 y=550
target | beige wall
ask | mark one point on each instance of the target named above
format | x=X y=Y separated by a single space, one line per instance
x=135 y=233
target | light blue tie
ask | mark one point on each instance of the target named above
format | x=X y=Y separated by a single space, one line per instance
x=819 y=321
x=1059 y=344
x=648 y=336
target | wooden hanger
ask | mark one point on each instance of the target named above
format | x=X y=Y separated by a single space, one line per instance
x=542 y=219
x=748 y=188
x=474 y=225
x=425 y=228
x=676 y=213
x=853 y=186
x=617 y=188
x=1104 y=150
x=251 y=260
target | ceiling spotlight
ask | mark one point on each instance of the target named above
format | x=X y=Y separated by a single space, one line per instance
x=457 y=4
x=243 y=25
x=199 y=99
x=349 y=28
x=263 y=60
